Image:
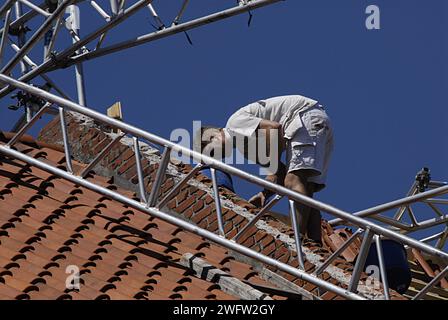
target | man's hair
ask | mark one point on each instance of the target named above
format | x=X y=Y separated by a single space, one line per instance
x=199 y=142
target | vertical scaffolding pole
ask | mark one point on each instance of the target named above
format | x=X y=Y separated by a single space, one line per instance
x=79 y=71
x=114 y=7
x=296 y=228
x=21 y=37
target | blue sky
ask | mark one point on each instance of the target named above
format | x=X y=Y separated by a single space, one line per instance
x=385 y=90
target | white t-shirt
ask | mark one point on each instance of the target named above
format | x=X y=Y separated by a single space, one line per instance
x=283 y=109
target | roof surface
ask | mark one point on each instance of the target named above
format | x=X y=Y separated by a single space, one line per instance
x=48 y=224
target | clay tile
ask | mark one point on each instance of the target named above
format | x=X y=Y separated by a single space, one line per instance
x=150 y=226
x=7 y=272
x=210 y=297
x=100 y=250
x=51 y=265
x=44 y=274
x=184 y=280
x=104 y=243
x=123 y=219
x=147 y=288
x=120 y=273
x=175 y=296
x=128 y=212
x=65 y=296
x=81 y=228
x=26 y=249
x=131 y=258
x=141 y=295
x=226 y=260
x=203 y=245
x=58 y=257
x=250 y=275
x=108 y=287
x=125 y=265
x=160 y=265
x=95 y=257
x=103 y=297
x=214 y=287
x=15 y=219
x=23 y=296
x=154 y=273
x=38 y=280
x=7 y=225
x=46 y=227
x=151 y=281
x=180 y=289
x=35 y=198
x=76 y=235
x=69 y=242
x=64 y=249
x=88 y=221
x=5 y=192
x=18 y=257
x=174 y=241
x=76 y=191
x=32 y=240
x=114 y=279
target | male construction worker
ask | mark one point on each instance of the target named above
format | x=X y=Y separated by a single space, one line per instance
x=295 y=124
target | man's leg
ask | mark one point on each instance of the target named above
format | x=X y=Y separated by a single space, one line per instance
x=298 y=181
x=314 y=220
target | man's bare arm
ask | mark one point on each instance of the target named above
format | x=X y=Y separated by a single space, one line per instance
x=271 y=129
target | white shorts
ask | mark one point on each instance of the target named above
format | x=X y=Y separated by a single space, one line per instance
x=312 y=145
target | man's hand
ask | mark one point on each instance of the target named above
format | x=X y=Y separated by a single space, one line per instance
x=258 y=200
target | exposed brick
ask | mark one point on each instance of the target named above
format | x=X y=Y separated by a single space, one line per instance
x=187 y=203
x=203 y=224
x=126 y=165
x=268 y=250
x=280 y=251
x=171 y=204
x=202 y=214
x=249 y=242
x=229 y=214
x=167 y=186
x=248 y=233
x=232 y=233
x=267 y=241
x=188 y=213
x=181 y=196
x=208 y=199
x=198 y=205
x=101 y=145
x=239 y=221
x=228 y=226
x=260 y=235
x=200 y=193
x=213 y=226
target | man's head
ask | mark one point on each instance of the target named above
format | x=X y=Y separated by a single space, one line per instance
x=211 y=141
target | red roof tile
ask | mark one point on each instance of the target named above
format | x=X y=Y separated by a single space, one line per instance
x=50 y=224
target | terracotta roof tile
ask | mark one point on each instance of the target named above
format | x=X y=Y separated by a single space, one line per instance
x=121 y=253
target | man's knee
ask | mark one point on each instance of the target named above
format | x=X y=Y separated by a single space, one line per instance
x=298 y=179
